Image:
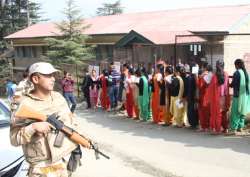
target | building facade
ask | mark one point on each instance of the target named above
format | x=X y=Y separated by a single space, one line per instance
x=143 y=38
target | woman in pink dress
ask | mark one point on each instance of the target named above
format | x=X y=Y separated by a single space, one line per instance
x=93 y=89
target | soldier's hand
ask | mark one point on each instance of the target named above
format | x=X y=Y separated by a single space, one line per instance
x=41 y=127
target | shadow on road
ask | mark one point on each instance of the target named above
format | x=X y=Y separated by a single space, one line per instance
x=147 y=129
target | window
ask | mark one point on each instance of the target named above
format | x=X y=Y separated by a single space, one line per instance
x=109 y=50
x=26 y=51
x=23 y=52
x=98 y=53
x=44 y=50
x=4 y=113
x=34 y=51
x=19 y=52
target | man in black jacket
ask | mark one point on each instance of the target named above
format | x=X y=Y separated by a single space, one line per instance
x=85 y=87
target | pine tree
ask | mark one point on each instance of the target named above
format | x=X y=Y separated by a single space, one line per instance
x=110 y=9
x=16 y=15
x=71 y=46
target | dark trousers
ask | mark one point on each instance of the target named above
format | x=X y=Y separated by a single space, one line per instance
x=120 y=90
x=192 y=114
x=86 y=95
x=113 y=95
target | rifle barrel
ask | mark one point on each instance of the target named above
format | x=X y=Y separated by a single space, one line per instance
x=99 y=152
x=104 y=155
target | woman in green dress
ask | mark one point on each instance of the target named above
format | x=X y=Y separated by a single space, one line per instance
x=143 y=94
x=241 y=97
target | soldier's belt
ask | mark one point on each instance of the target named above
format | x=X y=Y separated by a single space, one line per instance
x=52 y=168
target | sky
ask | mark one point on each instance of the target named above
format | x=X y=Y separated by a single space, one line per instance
x=52 y=9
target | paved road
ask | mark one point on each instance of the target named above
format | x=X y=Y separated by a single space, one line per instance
x=140 y=149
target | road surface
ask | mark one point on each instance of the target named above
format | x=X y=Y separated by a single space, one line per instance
x=143 y=149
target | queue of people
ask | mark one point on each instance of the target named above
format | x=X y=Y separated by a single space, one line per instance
x=180 y=96
x=166 y=97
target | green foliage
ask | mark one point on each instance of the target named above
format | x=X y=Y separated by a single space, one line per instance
x=71 y=46
x=110 y=9
x=5 y=71
x=14 y=17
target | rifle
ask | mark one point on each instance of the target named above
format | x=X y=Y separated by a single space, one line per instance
x=25 y=112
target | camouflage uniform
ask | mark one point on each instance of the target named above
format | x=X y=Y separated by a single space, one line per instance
x=44 y=158
x=23 y=88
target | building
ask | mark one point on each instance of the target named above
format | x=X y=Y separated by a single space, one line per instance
x=209 y=33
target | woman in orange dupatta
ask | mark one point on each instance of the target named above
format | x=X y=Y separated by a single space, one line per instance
x=157 y=118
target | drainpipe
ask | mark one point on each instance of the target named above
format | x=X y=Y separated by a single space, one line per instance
x=133 y=54
x=175 y=50
x=211 y=53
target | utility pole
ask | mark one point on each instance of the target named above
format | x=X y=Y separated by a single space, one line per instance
x=28 y=14
x=3 y=3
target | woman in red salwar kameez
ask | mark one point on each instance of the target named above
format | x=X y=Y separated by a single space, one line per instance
x=219 y=95
x=105 y=103
x=204 y=104
x=129 y=93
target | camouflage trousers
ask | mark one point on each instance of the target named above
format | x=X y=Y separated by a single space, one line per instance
x=52 y=170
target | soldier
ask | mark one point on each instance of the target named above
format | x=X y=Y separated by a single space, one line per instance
x=23 y=87
x=37 y=139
